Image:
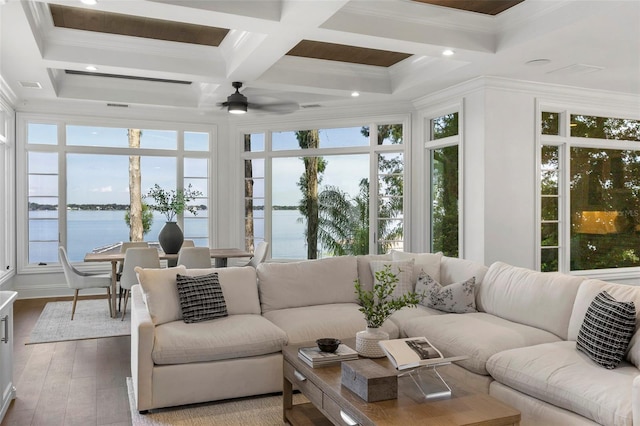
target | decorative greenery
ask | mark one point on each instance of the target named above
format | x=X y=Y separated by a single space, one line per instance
x=378 y=305
x=172 y=203
x=147 y=218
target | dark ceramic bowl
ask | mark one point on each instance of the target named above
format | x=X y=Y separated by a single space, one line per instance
x=328 y=344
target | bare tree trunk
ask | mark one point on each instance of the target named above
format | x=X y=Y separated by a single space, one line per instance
x=248 y=197
x=135 y=189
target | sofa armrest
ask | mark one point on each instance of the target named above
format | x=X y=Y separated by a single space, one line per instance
x=635 y=400
x=142 y=339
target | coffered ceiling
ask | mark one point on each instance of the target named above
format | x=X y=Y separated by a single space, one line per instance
x=185 y=53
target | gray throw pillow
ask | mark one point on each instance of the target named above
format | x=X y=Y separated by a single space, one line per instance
x=607 y=330
x=201 y=298
x=456 y=298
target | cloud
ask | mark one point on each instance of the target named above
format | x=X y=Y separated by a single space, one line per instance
x=103 y=189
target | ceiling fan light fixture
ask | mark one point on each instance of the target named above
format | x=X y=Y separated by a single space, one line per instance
x=237 y=107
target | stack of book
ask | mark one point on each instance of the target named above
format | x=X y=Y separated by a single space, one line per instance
x=314 y=357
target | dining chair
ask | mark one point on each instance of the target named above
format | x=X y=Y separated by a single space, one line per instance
x=136 y=256
x=123 y=249
x=78 y=280
x=259 y=254
x=194 y=257
x=188 y=243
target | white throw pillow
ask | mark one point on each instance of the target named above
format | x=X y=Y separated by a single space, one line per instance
x=403 y=271
x=456 y=298
x=427 y=262
x=161 y=291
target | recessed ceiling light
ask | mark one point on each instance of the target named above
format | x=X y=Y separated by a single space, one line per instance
x=447 y=52
x=536 y=62
x=91 y=68
x=355 y=94
x=89 y=2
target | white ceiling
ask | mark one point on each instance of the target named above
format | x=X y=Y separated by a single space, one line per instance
x=603 y=35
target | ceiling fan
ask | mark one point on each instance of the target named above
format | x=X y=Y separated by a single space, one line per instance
x=237 y=103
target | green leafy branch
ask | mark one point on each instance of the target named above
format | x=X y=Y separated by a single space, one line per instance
x=173 y=202
x=377 y=305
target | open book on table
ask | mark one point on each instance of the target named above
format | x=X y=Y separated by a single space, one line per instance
x=414 y=352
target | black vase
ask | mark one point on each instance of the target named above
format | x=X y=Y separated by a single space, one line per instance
x=171 y=238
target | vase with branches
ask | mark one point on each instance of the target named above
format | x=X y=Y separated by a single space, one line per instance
x=377 y=305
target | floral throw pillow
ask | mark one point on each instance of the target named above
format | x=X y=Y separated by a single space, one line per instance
x=456 y=298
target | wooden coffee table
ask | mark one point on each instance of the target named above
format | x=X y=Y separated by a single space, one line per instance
x=331 y=403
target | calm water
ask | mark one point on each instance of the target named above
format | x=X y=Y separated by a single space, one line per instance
x=87 y=230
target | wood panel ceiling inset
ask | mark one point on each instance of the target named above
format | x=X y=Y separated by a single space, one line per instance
x=492 y=7
x=345 y=53
x=136 y=26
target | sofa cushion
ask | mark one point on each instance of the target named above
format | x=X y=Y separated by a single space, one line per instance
x=540 y=299
x=235 y=336
x=201 y=298
x=560 y=375
x=427 y=262
x=607 y=328
x=453 y=270
x=478 y=335
x=406 y=314
x=403 y=270
x=588 y=290
x=161 y=293
x=307 y=283
x=339 y=320
x=239 y=287
x=456 y=298
x=364 y=268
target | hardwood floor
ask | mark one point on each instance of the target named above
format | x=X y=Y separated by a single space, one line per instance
x=81 y=382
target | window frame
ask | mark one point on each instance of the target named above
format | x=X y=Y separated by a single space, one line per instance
x=428 y=146
x=7 y=192
x=372 y=149
x=22 y=184
x=564 y=141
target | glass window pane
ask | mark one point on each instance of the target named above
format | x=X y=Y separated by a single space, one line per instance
x=43 y=162
x=549 y=259
x=281 y=141
x=43 y=229
x=42 y=134
x=550 y=123
x=549 y=208
x=586 y=126
x=550 y=167
x=445 y=126
x=444 y=200
x=159 y=139
x=390 y=134
x=196 y=167
x=196 y=141
x=549 y=234
x=113 y=137
x=344 y=137
x=43 y=185
x=198 y=184
x=43 y=252
x=605 y=206
x=254 y=142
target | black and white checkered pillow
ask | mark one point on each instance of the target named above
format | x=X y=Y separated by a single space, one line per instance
x=201 y=298
x=607 y=329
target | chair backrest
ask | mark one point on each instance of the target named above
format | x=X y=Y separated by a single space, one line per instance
x=137 y=256
x=259 y=254
x=188 y=243
x=194 y=257
x=72 y=275
x=127 y=245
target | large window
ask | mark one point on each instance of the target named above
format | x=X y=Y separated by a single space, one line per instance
x=590 y=192
x=81 y=180
x=444 y=155
x=309 y=192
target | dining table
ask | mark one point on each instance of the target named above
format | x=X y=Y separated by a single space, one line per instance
x=220 y=256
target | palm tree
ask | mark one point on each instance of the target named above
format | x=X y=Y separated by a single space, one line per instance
x=135 y=222
x=308 y=183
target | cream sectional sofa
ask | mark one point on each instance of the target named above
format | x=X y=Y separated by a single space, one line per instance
x=520 y=343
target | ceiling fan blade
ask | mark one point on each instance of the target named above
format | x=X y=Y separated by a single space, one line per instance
x=279 y=108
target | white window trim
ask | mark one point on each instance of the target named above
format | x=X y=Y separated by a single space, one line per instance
x=565 y=142
x=22 y=122
x=372 y=149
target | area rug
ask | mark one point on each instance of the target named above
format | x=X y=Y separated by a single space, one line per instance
x=258 y=411
x=91 y=321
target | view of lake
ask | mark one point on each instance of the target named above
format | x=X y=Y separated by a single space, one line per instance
x=89 y=229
